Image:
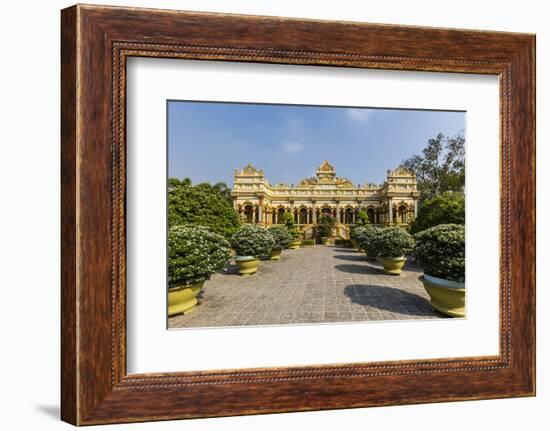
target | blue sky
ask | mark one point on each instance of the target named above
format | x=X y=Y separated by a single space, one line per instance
x=207 y=141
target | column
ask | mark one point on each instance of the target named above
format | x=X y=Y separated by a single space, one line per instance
x=314 y=213
x=390 y=210
x=338 y=212
x=259 y=213
x=415 y=209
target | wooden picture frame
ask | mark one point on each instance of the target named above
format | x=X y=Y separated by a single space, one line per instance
x=95 y=43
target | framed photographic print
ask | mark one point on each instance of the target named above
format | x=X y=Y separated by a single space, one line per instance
x=265 y=214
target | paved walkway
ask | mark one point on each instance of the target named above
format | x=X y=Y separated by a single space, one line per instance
x=310 y=285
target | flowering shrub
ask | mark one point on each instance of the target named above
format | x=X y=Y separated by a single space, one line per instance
x=365 y=235
x=281 y=236
x=440 y=251
x=392 y=242
x=194 y=252
x=252 y=240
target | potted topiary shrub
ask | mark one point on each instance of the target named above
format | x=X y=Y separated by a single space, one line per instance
x=296 y=241
x=288 y=220
x=282 y=239
x=324 y=228
x=250 y=242
x=440 y=251
x=366 y=238
x=194 y=253
x=392 y=244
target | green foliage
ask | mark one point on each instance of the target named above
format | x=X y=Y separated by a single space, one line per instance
x=440 y=167
x=194 y=252
x=252 y=240
x=308 y=242
x=362 y=218
x=342 y=242
x=281 y=236
x=288 y=220
x=440 y=251
x=365 y=237
x=446 y=208
x=325 y=226
x=392 y=242
x=174 y=182
x=203 y=206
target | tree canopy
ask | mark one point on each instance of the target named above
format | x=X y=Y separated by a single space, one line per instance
x=203 y=206
x=448 y=207
x=220 y=187
x=440 y=166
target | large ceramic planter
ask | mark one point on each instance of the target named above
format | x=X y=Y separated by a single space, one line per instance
x=295 y=244
x=182 y=299
x=371 y=255
x=248 y=265
x=325 y=240
x=446 y=296
x=275 y=253
x=392 y=265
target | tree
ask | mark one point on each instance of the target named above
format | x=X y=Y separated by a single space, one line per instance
x=445 y=208
x=221 y=188
x=202 y=206
x=362 y=218
x=174 y=182
x=440 y=167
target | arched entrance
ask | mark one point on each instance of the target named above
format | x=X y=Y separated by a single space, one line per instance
x=302 y=216
x=280 y=213
x=403 y=213
x=370 y=215
x=248 y=213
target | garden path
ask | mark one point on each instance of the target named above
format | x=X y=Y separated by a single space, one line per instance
x=310 y=285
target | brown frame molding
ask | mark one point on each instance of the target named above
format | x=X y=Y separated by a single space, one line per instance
x=95 y=43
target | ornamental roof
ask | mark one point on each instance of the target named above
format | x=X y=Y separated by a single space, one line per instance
x=326 y=167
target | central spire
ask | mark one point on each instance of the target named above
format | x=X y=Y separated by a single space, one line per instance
x=326 y=171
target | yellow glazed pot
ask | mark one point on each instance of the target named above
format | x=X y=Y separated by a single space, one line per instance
x=182 y=299
x=447 y=297
x=325 y=240
x=275 y=254
x=248 y=265
x=295 y=244
x=392 y=265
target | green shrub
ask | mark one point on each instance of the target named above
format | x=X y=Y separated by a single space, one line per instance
x=365 y=236
x=200 y=206
x=448 y=207
x=342 y=242
x=325 y=226
x=194 y=253
x=281 y=236
x=288 y=220
x=440 y=251
x=362 y=218
x=392 y=242
x=252 y=240
x=308 y=242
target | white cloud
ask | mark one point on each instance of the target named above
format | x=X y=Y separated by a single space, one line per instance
x=292 y=147
x=359 y=114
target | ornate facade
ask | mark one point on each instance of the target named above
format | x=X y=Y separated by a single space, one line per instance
x=257 y=201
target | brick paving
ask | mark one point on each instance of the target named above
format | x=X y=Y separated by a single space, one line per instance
x=310 y=285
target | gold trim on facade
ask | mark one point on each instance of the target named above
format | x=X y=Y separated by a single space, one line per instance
x=257 y=201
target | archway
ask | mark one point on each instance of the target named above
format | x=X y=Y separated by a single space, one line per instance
x=248 y=213
x=302 y=216
x=403 y=213
x=370 y=215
